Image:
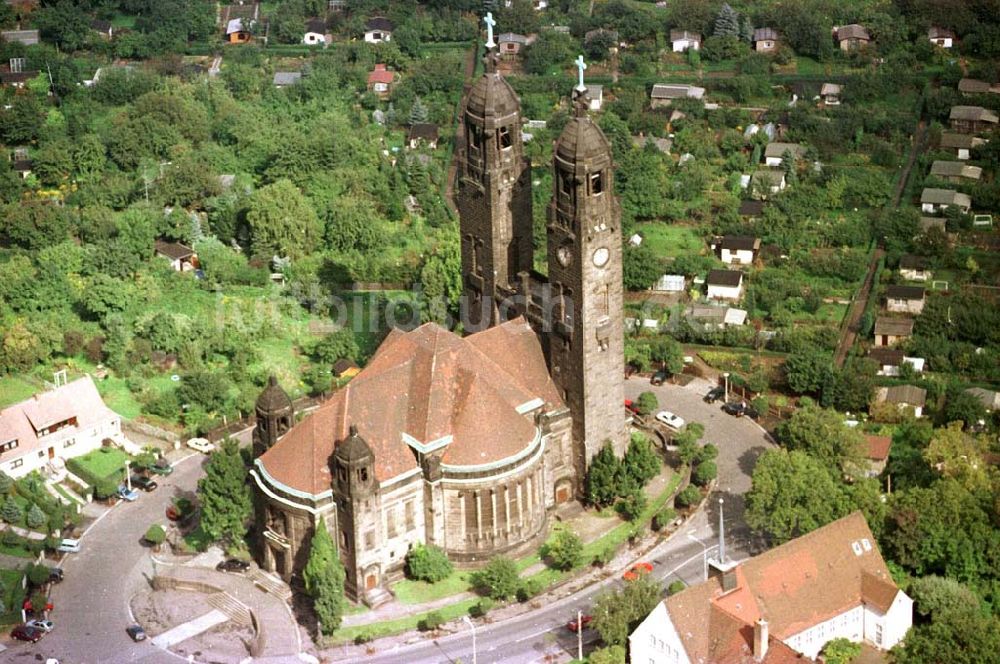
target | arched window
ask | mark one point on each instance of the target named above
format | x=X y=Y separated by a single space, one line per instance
x=363 y=474
x=504 y=139
x=596 y=183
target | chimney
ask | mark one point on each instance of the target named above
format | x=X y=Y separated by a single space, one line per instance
x=760 y=639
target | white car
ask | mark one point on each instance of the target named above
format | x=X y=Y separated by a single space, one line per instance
x=669 y=419
x=69 y=546
x=201 y=445
x=44 y=625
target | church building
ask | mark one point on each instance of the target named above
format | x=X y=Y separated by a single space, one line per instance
x=467 y=443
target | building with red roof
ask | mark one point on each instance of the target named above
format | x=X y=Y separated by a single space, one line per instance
x=783 y=605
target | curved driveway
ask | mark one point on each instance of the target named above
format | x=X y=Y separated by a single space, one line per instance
x=532 y=636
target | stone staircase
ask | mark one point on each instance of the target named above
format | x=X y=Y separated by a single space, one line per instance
x=237 y=611
x=270 y=584
x=376 y=597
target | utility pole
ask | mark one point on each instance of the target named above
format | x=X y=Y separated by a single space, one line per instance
x=579 y=635
x=128 y=476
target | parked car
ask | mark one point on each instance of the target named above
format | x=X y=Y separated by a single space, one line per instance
x=44 y=625
x=637 y=570
x=28 y=606
x=27 y=633
x=125 y=493
x=715 y=394
x=161 y=467
x=659 y=377
x=669 y=419
x=56 y=574
x=136 y=633
x=233 y=565
x=584 y=623
x=631 y=406
x=143 y=482
x=69 y=546
x=739 y=409
x=201 y=445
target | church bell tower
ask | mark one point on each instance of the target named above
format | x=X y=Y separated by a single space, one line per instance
x=494 y=195
x=586 y=342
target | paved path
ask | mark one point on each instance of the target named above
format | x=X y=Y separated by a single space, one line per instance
x=541 y=634
x=191 y=628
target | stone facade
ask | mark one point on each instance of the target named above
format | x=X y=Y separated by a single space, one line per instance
x=468 y=443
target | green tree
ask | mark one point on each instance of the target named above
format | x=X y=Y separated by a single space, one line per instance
x=965 y=635
x=841 y=651
x=288 y=23
x=551 y=50
x=427 y=563
x=335 y=346
x=807 y=369
x=669 y=353
x=282 y=221
x=704 y=473
x=11 y=512
x=641 y=267
x=958 y=455
x=6 y=483
x=418 y=112
x=224 y=496
x=564 y=549
x=688 y=496
x=35 y=518
x=441 y=277
x=822 y=433
x=727 y=23
x=617 y=614
x=499 y=580
x=601 y=475
x=155 y=535
x=964 y=407
x=935 y=595
x=323 y=577
x=641 y=462
x=204 y=388
x=37 y=574
x=792 y=494
x=647 y=403
x=607 y=655
x=64 y=23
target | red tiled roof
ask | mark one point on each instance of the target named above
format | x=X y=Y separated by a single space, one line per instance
x=380 y=75
x=878 y=447
x=793 y=586
x=78 y=399
x=429 y=384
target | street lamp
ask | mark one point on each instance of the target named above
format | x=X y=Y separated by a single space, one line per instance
x=725 y=375
x=472 y=626
x=128 y=476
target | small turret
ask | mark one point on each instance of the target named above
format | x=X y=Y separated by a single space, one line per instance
x=275 y=416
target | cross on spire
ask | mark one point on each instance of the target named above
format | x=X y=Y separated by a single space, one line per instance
x=490 y=24
x=580 y=65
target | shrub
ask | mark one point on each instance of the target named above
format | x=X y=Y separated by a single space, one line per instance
x=35 y=517
x=105 y=488
x=647 y=403
x=498 y=580
x=689 y=496
x=675 y=587
x=704 y=473
x=604 y=556
x=5 y=483
x=37 y=574
x=481 y=608
x=364 y=637
x=428 y=563
x=11 y=512
x=707 y=453
x=664 y=518
x=564 y=549
x=529 y=588
x=155 y=535
x=430 y=622
x=631 y=506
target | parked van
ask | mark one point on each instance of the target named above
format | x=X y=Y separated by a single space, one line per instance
x=69 y=546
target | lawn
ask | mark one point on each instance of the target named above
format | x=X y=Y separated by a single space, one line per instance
x=670 y=239
x=418 y=592
x=385 y=628
x=99 y=464
x=15 y=388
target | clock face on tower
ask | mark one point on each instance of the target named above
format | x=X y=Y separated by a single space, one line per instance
x=565 y=255
x=601 y=256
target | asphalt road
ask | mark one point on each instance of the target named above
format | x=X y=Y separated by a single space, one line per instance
x=540 y=634
x=92 y=603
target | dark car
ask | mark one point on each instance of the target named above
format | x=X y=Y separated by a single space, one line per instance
x=56 y=574
x=715 y=394
x=27 y=633
x=739 y=409
x=233 y=565
x=136 y=632
x=161 y=467
x=659 y=377
x=584 y=623
x=144 y=483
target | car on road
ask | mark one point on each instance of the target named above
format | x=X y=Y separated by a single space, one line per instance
x=27 y=633
x=161 y=467
x=584 y=623
x=631 y=406
x=739 y=409
x=143 y=482
x=637 y=570
x=233 y=565
x=44 y=625
x=201 y=445
x=136 y=633
x=125 y=493
x=659 y=377
x=69 y=546
x=56 y=574
x=715 y=394
x=669 y=419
